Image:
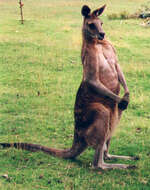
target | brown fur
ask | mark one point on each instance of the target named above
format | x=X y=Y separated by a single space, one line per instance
x=96 y=110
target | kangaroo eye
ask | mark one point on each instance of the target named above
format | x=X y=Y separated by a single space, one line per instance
x=92 y=26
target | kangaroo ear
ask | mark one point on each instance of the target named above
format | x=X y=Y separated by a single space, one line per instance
x=99 y=11
x=85 y=10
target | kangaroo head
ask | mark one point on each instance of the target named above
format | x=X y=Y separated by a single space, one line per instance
x=92 y=25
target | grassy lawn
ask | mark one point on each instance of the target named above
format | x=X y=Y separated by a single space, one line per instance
x=40 y=71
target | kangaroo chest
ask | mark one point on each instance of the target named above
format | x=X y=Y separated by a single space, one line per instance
x=107 y=69
x=106 y=60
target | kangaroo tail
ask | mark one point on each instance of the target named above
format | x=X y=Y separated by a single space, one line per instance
x=76 y=149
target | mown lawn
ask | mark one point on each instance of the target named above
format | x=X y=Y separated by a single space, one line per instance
x=40 y=71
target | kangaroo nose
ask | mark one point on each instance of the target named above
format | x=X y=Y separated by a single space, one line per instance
x=102 y=34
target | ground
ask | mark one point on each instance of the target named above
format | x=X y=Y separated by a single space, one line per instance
x=40 y=71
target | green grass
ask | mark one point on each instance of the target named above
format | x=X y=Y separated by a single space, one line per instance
x=40 y=71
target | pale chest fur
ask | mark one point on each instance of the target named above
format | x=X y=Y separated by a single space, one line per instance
x=107 y=66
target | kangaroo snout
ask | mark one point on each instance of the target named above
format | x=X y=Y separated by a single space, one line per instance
x=101 y=35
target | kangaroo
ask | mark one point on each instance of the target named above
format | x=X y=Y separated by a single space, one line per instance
x=98 y=107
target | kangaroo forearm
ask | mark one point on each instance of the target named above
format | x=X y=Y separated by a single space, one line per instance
x=103 y=91
x=123 y=83
x=121 y=79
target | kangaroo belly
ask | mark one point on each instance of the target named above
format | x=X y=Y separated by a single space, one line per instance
x=86 y=95
x=84 y=110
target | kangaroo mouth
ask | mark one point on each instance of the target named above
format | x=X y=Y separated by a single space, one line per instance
x=100 y=37
x=89 y=34
x=97 y=37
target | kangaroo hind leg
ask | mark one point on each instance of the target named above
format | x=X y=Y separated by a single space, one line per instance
x=108 y=156
x=101 y=126
x=99 y=161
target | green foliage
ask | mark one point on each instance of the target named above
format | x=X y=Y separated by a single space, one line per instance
x=142 y=12
x=40 y=71
x=113 y=16
x=122 y=15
